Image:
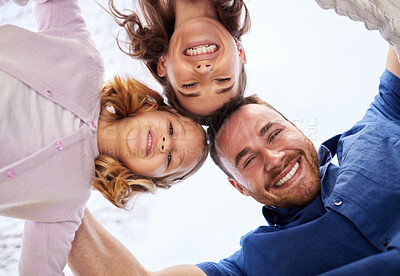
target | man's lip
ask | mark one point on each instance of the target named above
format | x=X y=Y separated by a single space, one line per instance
x=202 y=56
x=285 y=172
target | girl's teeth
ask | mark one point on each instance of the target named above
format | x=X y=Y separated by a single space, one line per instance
x=148 y=142
x=288 y=176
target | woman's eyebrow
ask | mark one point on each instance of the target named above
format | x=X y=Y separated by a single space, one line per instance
x=220 y=91
x=195 y=94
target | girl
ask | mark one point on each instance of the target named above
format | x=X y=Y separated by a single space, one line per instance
x=54 y=123
x=192 y=48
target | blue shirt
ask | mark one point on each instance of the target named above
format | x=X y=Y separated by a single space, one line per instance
x=353 y=227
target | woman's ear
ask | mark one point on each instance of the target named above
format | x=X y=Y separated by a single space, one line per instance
x=161 y=67
x=238 y=187
x=242 y=53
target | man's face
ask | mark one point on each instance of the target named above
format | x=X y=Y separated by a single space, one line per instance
x=269 y=158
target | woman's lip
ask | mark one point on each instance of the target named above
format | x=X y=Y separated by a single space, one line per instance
x=201 y=56
x=288 y=169
x=198 y=43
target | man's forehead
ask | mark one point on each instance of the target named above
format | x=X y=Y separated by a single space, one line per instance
x=245 y=122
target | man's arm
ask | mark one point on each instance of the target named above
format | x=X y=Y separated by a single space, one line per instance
x=96 y=252
x=385 y=263
x=392 y=62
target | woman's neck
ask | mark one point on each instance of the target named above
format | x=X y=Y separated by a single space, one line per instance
x=189 y=9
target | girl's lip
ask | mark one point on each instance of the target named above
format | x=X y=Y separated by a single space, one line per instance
x=202 y=56
x=150 y=135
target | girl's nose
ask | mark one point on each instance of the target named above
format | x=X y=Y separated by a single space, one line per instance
x=164 y=145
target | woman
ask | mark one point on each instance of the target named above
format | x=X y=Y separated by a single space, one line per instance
x=192 y=48
x=51 y=133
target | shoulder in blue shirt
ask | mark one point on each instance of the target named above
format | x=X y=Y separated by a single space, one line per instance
x=355 y=219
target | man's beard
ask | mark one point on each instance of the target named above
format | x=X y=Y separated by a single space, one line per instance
x=305 y=190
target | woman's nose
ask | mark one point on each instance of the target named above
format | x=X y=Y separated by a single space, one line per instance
x=203 y=67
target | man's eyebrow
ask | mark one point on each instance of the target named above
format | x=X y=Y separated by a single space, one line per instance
x=240 y=155
x=220 y=91
x=195 y=94
x=265 y=129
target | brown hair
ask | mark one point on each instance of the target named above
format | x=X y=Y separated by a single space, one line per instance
x=149 y=41
x=128 y=97
x=219 y=117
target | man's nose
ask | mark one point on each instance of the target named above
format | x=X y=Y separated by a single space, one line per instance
x=203 y=67
x=273 y=159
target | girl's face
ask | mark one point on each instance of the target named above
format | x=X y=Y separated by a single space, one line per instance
x=158 y=144
x=203 y=65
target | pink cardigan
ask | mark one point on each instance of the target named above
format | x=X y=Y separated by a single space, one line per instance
x=50 y=188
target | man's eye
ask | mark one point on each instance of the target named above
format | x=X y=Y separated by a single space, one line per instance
x=169 y=158
x=223 y=80
x=273 y=136
x=189 y=85
x=171 y=129
x=248 y=161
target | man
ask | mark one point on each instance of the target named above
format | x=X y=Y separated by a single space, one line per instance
x=346 y=223
x=332 y=219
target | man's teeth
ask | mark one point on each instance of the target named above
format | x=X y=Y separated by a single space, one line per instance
x=148 y=142
x=289 y=175
x=201 y=49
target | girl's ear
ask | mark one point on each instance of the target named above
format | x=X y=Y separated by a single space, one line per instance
x=161 y=67
x=238 y=187
x=242 y=53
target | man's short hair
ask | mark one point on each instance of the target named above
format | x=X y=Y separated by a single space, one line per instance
x=219 y=117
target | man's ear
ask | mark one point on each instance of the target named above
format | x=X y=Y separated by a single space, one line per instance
x=242 y=53
x=238 y=187
x=161 y=67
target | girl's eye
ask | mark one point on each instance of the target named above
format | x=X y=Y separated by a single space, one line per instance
x=169 y=159
x=223 y=80
x=189 y=85
x=248 y=161
x=171 y=129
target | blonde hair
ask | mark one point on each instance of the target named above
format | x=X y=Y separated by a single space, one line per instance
x=128 y=97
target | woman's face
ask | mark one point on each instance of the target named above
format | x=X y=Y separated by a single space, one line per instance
x=203 y=65
x=158 y=144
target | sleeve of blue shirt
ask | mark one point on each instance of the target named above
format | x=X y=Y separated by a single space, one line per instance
x=228 y=266
x=388 y=100
x=386 y=263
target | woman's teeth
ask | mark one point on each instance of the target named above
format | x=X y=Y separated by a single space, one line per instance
x=201 y=49
x=289 y=175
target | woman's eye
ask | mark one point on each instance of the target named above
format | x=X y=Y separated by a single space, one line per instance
x=223 y=80
x=189 y=85
x=248 y=161
x=171 y=129
x=169 y=157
